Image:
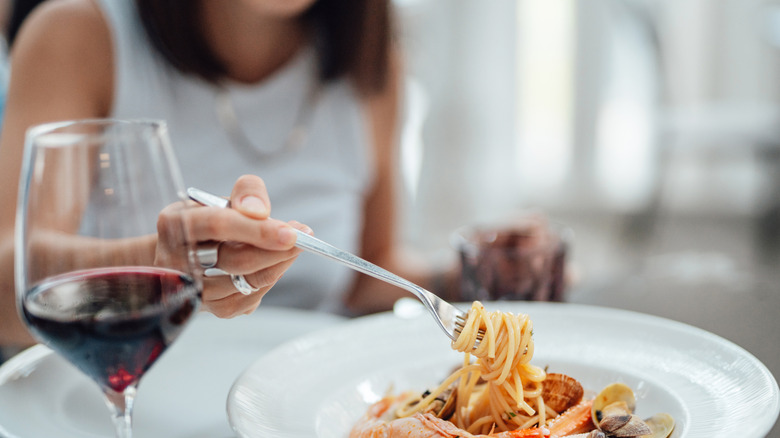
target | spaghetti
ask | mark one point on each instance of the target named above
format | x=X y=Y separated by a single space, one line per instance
x=499 y=390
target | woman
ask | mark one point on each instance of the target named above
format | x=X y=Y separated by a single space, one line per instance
x=302 y=93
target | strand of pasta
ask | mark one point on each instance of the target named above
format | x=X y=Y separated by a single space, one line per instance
x=542 y=410
x=467 y=388
x=481 y=425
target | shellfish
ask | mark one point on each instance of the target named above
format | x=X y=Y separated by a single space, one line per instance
x=560 y=392
x=613 y=413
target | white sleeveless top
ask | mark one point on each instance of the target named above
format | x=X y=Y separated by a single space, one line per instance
x=322 y=182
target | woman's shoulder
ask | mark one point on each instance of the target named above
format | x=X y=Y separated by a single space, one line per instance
x=66 y=40
x=65 y=23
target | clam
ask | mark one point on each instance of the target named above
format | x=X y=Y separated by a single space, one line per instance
x=560 y=392
x=615 y=392
x=614 y=416
x=635 y=427
x=618 y=421
x=613 y=413
x=661 y=425
x=448 y=409
x=444 y=405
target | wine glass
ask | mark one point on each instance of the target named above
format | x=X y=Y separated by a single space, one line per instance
x=106 y=273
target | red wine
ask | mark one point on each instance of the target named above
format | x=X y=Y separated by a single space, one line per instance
x=112 y=323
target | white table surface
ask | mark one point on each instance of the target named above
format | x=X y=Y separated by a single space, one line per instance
x=183 y=395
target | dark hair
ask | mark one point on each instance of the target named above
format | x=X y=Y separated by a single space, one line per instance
x=19 y=10
x=351 y=37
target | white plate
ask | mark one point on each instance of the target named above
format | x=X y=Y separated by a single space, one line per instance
x=183 y=395
x=320 y=384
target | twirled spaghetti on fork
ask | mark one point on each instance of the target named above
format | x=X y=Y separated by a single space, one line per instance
x=497 y=387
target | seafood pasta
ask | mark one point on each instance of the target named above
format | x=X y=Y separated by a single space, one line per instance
x=500 y=390
x=498 y=393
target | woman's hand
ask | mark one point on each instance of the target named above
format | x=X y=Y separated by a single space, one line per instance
x=252 y=244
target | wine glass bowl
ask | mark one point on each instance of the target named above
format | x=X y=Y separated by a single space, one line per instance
x=105 y=268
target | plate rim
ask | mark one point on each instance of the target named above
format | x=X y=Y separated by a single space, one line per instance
x=20 y=366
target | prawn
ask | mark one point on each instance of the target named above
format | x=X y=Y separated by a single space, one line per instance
x=376 y=424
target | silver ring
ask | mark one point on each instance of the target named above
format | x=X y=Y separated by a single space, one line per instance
x=242 y=285
x=208 y=254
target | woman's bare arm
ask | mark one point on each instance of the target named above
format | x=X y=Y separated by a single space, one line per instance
x=61 y=69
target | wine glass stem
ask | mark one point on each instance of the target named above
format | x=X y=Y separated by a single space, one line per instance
x=121 y=406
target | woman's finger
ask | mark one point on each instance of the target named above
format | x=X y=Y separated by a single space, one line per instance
x=267 y=278
x=226 y=224
x=234 y=304
x=250 y=197
x=239 y=258
x=216 y=288
x=221 y=298
x=302 y=227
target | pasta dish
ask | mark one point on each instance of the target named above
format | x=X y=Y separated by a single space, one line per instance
x=498 y=392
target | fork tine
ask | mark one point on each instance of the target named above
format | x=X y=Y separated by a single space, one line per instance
x=460 y=323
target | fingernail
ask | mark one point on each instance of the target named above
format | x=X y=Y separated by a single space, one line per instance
x=301 y=227
x=287 y=236
x=253 y=204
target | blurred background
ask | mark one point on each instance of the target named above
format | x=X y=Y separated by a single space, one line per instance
x=650 y=127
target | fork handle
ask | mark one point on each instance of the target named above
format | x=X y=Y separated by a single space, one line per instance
x=434 y=304
x=317 y=246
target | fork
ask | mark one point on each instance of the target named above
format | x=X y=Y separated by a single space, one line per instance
x=448 y=317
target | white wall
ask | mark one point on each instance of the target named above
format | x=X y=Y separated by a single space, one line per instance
x=715 y=58
x=462 y=52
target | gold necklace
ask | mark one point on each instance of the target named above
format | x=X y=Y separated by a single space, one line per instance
x=228 y=120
